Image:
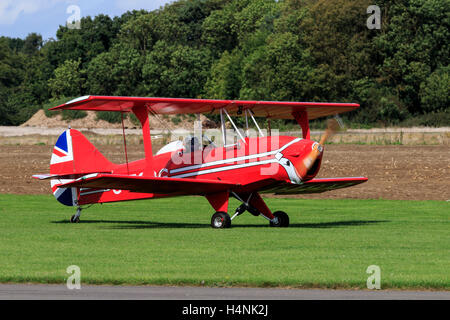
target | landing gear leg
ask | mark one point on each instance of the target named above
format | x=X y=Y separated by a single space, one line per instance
x=239 y=210
x=257 y=207
x=245 y=206
x=76 y=217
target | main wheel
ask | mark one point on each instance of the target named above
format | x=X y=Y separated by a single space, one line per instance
x=220 y=220
x=283 y=220
x=74 y=219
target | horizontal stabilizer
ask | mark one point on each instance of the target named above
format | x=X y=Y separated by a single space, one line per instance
x=172 y=186
x=315 y=185
x=46 y=176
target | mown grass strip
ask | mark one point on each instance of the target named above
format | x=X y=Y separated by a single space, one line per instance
x=329 y=244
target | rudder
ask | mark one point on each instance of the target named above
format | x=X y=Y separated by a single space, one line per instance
x=74 y=155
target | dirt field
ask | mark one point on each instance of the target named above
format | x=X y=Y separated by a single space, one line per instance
x=394 y=172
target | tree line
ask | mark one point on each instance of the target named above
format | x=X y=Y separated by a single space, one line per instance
x=287 y=50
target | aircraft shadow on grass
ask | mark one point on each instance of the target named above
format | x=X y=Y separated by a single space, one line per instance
x=174 y=225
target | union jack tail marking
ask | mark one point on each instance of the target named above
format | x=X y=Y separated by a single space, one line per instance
x=62 y=154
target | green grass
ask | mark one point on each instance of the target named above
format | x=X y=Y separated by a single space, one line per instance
x=330 y=243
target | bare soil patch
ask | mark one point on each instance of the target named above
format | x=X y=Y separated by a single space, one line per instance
x=394 y=172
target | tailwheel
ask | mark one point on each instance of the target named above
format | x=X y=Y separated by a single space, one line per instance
x=74 y=219
x=281 y=220
x=220 y=220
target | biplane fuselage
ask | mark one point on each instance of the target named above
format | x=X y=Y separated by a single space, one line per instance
x=256 y=164
x=81 y=175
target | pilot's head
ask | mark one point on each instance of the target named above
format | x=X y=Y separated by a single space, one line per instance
x=191 y=144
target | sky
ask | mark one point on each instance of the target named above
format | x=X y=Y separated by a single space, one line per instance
x=18 y=18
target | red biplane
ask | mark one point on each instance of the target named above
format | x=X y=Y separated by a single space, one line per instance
x=81 y=175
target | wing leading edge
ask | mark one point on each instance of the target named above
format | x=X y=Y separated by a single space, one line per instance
x=314 y=186
x=185 y=186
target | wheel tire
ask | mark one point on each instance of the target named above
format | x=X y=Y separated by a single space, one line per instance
x=283 y=220
x=74 y=219
x=220 y=220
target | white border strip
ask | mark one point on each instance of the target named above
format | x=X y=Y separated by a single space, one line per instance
x=238 y=159
x=237 y=166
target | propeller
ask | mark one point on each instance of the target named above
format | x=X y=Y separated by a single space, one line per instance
x=307 y=162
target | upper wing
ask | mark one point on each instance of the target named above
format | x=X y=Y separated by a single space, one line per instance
x=269 y=109
x=314 y=185
x=150 y=185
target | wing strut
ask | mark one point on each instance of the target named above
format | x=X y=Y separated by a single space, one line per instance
x=302 y=119
x=256 y=123
x=141 y=113
x=125 y=143
x=235 y=128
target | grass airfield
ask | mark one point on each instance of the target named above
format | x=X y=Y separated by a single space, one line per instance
x=329 y=244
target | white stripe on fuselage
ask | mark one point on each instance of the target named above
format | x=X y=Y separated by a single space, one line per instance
x=232 y=167
x=225 y=168
x=231 y=160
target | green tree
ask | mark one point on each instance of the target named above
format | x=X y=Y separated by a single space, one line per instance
x=281 y=70
x=67 y=80
x=100 y=80
x=128 y=72
x=116 y=72
x=218 y=32
x=258 y=15
x=16 y=106
x=176 y=70
x=94 y=37
x=414 y=44
x=137 y=32
x=340 y=43
x=32 y=43
x=435 y=91
x=224 y=80
x=11 y=66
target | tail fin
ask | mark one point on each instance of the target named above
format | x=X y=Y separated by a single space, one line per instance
x=74 y=155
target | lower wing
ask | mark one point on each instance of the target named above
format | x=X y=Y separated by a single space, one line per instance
x=184 y=186
x=314 y=185
x=150 y=184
